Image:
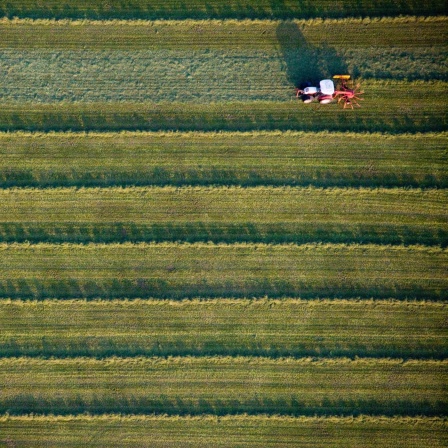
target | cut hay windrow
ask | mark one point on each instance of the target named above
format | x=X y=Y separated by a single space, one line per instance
x=225 y=158
x=233 y=214
x=175 y=271
x=224 y=431
x=222 y=385
x=271 y=328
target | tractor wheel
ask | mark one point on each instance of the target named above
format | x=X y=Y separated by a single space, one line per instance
x=325 y=99
x=307 y=99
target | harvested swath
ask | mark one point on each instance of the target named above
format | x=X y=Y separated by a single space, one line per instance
x=247 y=159
x=273 y=328
x=223 y=386
x=200 y=75
x=261 y=214
x=170 y=270
x=220 y=9
x=226 y=431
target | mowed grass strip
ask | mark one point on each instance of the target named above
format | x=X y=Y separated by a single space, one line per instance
x=406 y=110
x=223 y=386
x=225 y=431
x=260 y=214
x=216 y=61
x=202 y=76
x=200 y=72
x=246 y=159
x=219 y=9
x=190 y=34
x=171 y=270
x=273 y=328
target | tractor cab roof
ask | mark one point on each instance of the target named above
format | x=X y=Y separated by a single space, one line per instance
x=327 y=87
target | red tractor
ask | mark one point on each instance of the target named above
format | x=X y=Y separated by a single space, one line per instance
x=346 y=94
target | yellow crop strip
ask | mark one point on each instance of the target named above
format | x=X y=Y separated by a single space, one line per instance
x=171 y=270
x=223 y=385
x=223 y=158
x=287 y=327
x=279 y=432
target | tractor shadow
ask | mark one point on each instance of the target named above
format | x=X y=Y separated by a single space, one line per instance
x=307 y=63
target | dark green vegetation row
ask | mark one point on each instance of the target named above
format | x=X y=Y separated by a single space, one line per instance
x=246 y=159
x=222 y=386
x=276 y=432
x=271 y=328
x=218 y=9
x=176 y=271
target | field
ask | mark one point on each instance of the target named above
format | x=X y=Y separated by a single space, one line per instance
x=190 y=256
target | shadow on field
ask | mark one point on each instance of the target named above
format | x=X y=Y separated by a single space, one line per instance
x=178 y=289
x=101 y=347
x=306 y=62
x=217 y=232
x=103 y=403
x=245 y=177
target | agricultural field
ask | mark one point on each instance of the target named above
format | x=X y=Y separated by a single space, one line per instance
x=191 y=256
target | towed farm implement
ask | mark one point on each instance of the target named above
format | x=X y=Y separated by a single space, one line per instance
x=346 y=92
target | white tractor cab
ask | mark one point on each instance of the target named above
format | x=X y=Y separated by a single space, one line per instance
x=323 y=94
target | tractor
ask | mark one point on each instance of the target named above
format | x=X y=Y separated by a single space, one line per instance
x=345 y=92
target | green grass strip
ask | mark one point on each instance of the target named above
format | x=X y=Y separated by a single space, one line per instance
x=246 y=159
x=219 y=9
x=273 y=328
x=225 y=431
x=223 y=386
x=260 y=214
x=170 y=270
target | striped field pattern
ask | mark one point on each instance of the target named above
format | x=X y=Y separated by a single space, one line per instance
x=189 y=256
